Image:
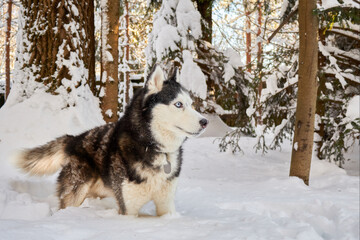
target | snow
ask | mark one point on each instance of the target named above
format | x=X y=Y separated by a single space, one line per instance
x=167 y=39
x=188 y=19
x=233 y=63
x=39 y=119
x=296 y=146
x=220 y=195
x=353 y=109
x=2 y=86
x=329 y=86
x=108 y=57
x=271 y=83
x=284 y=6
x=109 y=113
x=74 y=10
x=235 y=59
x=176 y=25
x=325 y=50
x=335 y=3
x=216 y=127
x=191 y=77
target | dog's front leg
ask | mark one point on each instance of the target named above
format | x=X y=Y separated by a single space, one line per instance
x=164 y=198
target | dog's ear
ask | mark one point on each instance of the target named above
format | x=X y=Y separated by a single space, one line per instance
x=175 y=76
x=155 y=80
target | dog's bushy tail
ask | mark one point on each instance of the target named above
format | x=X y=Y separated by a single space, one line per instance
x=45 y=159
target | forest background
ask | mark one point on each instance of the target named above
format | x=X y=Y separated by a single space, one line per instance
x=239 y=59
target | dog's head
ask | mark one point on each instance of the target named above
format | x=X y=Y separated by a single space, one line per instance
x=172 y=114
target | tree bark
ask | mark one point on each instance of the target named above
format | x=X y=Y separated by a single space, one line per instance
x=110 y=55
x=259 y=64
x=92 y=47
x=307 y=91
x=248 y=38
x=7 y=50
x=205 y=9
x=127 y=53
x=57 y=42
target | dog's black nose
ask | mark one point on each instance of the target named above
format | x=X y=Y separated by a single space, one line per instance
x=204 y=122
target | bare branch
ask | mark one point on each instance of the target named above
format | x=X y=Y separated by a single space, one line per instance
x=287 y=19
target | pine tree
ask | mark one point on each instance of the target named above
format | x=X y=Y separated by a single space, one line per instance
x=205 y=9
x=338 y=122
x=176 y=27
x=53 y=51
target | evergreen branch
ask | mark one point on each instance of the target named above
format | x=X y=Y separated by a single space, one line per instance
x=344 y=33
x=348 y=80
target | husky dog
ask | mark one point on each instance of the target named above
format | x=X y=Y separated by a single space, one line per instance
x=136 y=160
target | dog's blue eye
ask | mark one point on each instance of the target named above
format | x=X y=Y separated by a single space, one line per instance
x=178 y=104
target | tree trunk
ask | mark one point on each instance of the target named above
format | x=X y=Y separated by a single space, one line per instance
x=320 y=103
x=127 y=54
x=248 y=37
x=258 y=35
x=307 y=91
x=205 y=9
x=56 y=44
x=92 y=47
x=110 y=54
x=259 y=64
x=7 y=50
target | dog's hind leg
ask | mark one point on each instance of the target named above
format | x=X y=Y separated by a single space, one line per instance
x=74 y=196
x=72 y=189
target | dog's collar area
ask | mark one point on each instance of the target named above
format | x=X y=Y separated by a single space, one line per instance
x=167 y=167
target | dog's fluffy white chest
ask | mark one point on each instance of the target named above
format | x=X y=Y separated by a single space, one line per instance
x=157 y=185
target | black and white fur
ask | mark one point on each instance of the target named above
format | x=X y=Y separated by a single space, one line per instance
x=136 y=160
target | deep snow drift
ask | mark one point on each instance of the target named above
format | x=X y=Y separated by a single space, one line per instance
x=220 y=195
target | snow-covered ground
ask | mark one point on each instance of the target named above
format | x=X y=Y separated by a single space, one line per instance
x=220 y=195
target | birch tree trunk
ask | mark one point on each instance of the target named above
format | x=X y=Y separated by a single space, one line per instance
x=110 y=11
x=307 y=91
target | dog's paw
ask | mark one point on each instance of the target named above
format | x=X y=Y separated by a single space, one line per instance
x=172 y=215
